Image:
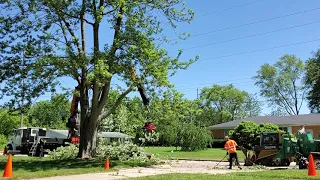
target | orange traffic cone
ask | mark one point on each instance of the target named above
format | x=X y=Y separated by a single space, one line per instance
x=311 y=168
x=106 y=166
x=8 y=169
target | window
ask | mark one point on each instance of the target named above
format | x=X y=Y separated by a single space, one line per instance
x=285 y=129
x=226 y=132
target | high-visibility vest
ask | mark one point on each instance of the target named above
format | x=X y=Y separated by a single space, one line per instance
x=230 y=146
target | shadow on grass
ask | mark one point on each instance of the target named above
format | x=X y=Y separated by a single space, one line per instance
x=44 y=164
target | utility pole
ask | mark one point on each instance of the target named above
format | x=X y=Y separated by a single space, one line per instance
x=197 y=93
x=21 y=116
x=22 y=92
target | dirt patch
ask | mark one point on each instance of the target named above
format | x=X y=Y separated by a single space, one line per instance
x=170 y=166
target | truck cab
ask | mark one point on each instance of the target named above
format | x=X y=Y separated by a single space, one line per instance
x=23 y=136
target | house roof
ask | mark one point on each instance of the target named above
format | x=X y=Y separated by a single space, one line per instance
x=281 y=121
x=114 y=135
x=100 y=134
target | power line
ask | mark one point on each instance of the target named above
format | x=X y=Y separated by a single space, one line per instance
x=214 y=82
x=227 y=9
x=259 y=34
x=199 y=89
x=249 y=52
x=256 y=22
x=197 y=85
x=254 y=51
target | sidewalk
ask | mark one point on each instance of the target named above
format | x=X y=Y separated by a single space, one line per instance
x=171 y=167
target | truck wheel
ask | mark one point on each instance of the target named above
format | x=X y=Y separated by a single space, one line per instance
x=317 y=163
x=40 y=151
x=301 y=165
x=10 y=148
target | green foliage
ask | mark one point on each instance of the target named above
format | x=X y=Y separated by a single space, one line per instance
x=194 y=138
x=312 y=81
x=67 y=152
x=247 y=133
x=50 y=114
x=168 y=112
x=279 y=83
x=126 y=151
x=150 y=138
x=131 y=116
x=3 y=141
x=226 y=103
x=8 y=121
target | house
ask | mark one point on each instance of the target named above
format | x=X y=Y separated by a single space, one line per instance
x=290 y=123
x=108 y=136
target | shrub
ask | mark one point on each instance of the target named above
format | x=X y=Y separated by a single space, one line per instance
x=193 y=138
x=247 y=133
x=3 y=141
x=67 y=152
x=218 y=143
x=126 y=151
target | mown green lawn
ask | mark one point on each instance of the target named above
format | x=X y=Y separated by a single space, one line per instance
x=208 y=154
x=33 y=167
x=263 y=175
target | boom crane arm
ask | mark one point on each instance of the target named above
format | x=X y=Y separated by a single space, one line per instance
x=146 y=101
x=141 y=90
x=73 y=123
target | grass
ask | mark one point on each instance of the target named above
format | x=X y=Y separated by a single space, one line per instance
x=208 y=154
x=261 y=175
x=33 y=167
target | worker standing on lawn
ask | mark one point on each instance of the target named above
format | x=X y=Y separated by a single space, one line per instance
x=231 y=148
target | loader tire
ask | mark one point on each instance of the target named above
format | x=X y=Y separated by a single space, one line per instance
x=248 y=162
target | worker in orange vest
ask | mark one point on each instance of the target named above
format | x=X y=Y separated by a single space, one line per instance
x=231 y=148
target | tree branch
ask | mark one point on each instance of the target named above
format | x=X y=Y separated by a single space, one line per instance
x=109 y=11
x=104 y=95
x=76 y=17
x=303 y=94
x=285 y=107
x=116 y=104
x=287 y=103
x=83 y=32
x=115 y=36
x=295 y=96
x=72 y=33
x=75 y=74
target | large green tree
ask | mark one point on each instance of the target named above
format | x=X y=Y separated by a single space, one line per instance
x=226 y=103
x=8 y=121
x=169 y=112
x=312 y=81
x=281 y=83
x=50 y=114
x=46 y=29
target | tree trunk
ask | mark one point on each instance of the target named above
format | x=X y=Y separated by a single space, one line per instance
x=88 y=125
x=88 y=138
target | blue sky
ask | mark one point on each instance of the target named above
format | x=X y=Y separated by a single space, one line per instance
x=228 y=62
x=239 y=69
